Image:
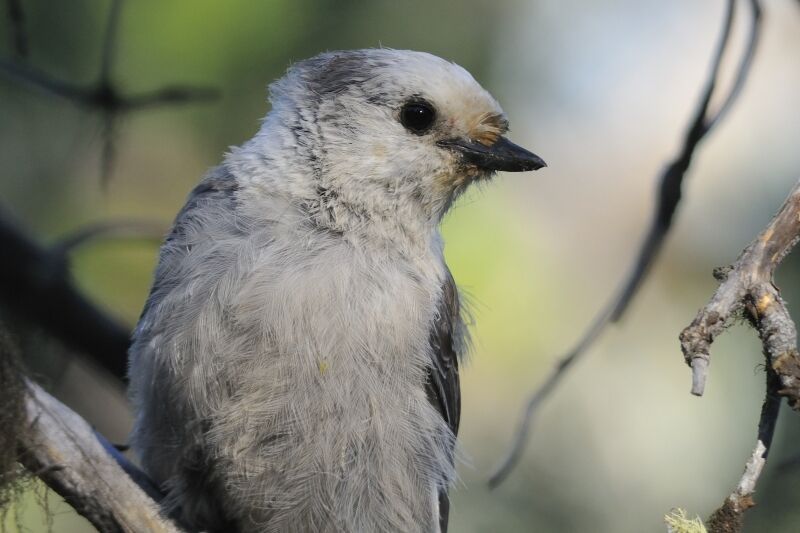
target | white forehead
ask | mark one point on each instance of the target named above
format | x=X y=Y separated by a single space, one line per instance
x=448 y=85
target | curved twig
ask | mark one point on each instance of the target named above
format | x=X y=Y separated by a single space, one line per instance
x=521 y=436
x=108 y=229
x=669 y=196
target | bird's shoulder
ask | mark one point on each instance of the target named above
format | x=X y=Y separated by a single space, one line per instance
x=207 y=213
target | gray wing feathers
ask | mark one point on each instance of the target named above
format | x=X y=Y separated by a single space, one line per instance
x=443 y=385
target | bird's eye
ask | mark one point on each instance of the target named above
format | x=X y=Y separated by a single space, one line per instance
x=417 y=117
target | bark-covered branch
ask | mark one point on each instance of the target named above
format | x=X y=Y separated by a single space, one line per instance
x=60 y=448
x=747 y=289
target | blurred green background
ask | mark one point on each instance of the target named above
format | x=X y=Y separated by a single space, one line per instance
x=602 y=91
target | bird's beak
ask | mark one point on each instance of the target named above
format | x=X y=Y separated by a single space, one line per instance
x=502 y=155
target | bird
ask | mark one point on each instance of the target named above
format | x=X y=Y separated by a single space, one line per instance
x=296 y=365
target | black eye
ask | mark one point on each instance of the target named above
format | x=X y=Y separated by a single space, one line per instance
x=417 y=117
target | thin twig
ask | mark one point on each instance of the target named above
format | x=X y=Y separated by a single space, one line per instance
x=89 y=97
x=558 y=372
x=44 y=82
x=109 y=147
x=16 y=20
x=104 y=95
x=744 y=64
x=669 y=196
x=108 y=229
x=729 y=517
x=170 y=95
x=110 y=41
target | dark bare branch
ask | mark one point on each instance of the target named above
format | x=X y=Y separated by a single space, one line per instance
x=105 y=98
x=558 y=372
x=109 y=147
x=104 y=95
x=170 y=95
x=16 y=21
x=669 y=197
x=110 y=41
x=42 y=81
x=109 y=229
x=37 y=286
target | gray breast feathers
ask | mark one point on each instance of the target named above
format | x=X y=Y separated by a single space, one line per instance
x=285 y=379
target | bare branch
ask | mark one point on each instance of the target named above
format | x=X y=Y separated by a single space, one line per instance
x=61 y=449
x=748 y=288
x=109 y=147
x=672 y=179
x=44 y=82
x=16 y=20
x=109 y=229
x=744 y=64
x=37 y=275
x=110 y=41
x=108 y=98
x=558 y=372
x=104 y=95
x=669 y=196
x=729 y=518
x=170 y=95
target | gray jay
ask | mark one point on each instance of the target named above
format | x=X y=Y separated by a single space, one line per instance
x=295 y=367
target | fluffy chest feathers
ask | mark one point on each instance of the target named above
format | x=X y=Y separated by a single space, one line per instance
x=293 y=366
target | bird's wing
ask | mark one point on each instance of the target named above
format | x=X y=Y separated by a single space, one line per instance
x=443 y=387
x=216 y=189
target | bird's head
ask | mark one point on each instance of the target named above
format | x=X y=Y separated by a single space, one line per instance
x=385 y=129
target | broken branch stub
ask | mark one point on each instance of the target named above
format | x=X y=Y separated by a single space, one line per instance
x=748 y=287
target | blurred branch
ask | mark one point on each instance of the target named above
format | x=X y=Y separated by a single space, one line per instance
x=669 y=196
x=59 y=447
x=109 y=229
x=110 y=41
x=104 y=95
x=35 y=284
x=16 y=21
x=748 y=288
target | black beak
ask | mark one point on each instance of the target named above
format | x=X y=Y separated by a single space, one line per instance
x=502 y=155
